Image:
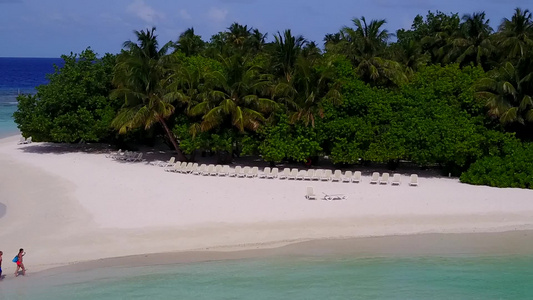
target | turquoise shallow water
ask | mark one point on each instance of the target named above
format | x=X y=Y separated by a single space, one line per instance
x=7 y=125
x=466 y=277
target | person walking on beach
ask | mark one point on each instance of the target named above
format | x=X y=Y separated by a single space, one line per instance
x=1 y=253
x=20 y=264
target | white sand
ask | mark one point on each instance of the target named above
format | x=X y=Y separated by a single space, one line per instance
x=66 y=206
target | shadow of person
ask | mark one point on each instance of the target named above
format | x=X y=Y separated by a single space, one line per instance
x=3 y=210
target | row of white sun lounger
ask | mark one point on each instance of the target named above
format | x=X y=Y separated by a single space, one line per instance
x=126 y=156
x=287 y=173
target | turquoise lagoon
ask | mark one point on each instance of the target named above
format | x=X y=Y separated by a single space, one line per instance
x=423 y=277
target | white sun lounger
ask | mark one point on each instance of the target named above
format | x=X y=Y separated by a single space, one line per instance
x=120 y=155
x=126 y=156
x=310 y=195
x=384 y=179
x=326 y=176
x=310 y=174
x=24 y=141
x=273 y=174
x=224 y=171
x=193 y=168
x=136 y=157
x=173 y=168
x=334 y=196
x=396 y=179
x=347 y=176
x=301 y=175
x=285 y=174
x=245 y=172
x=266 y=172
x=110 y=155
x=181 y=168
x=375 y=178
x=293 y=174
x=210 y=169
x=357 y=177
x=200 y=170
x=187 y=168
x=236 y=171
x=318 y=174
x=218 y=168
x=414 y=180
x=253 y=173
x=168 y=163
x=337 y=176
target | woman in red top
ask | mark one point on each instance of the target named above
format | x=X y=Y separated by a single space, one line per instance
x=20 y=265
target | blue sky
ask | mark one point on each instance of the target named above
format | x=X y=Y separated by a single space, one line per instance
x=49 y=28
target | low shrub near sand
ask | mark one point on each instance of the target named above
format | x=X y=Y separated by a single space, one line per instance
x=515 y=169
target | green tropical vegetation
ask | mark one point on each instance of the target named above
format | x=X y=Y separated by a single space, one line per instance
x=451 y=93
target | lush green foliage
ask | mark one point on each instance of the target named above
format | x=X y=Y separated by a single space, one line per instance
x=433 y=97
x=513 y=169
x=74 y=106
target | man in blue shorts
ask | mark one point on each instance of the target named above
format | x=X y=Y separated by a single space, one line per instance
x=1 y=253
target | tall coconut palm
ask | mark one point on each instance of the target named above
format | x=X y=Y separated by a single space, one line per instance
x=147 y=45
x=257 y=40
x=471 y=43
x=515 y=36
x=509 y=92
x=286 y=52
x=364 y=45
x=309 y=89
x=410 y=54
x=189 y=43
x=236 y=97
x=139 y=72
x=437 y=35
x=238 y=35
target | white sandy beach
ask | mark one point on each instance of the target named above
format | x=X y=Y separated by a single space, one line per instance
x=64 y=205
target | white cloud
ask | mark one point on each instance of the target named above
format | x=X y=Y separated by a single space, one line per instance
x=217 y=14
x=184 y=14
x=144 y=12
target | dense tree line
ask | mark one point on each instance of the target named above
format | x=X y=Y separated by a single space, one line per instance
x=449 y=92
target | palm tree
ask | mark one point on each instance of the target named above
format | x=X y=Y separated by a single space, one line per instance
x=332 y=39
x=437 y=35
x=364 y=45
x=515 y=36
x=235 y=98
x=139 y=72
x=238 y=35
x=509 y=92
x=410 y=54
x=286 y=51
x=311 y=51
x=147 y=45
x=257 y=40
x=189 y=43
x=472 y=43
x=308 y=90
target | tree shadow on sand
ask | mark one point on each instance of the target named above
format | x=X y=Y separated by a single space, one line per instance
x=149 y=154
x=50 y=148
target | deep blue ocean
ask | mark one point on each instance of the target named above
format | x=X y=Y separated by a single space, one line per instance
x=20 y=76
